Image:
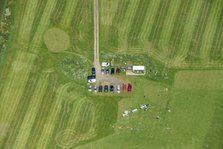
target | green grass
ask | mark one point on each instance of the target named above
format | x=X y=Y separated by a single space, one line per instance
x=44 y=102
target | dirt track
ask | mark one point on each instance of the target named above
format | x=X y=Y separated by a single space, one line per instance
x=108 y=79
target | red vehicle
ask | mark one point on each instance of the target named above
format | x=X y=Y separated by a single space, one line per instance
x=129 y=87
x=124 y=87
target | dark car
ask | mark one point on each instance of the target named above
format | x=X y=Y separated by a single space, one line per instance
x=111 y=88
x=93 y=71
x=102 y=70
x=106 y=71
x=118 y=70
x=112 y=71
x=129 y=87
x=106 y=88
x=100 y=88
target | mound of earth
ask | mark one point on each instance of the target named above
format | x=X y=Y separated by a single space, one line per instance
x=56 y=40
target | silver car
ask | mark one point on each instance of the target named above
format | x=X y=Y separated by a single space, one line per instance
x=90 y=88
x=118 y=88
x=95 y=89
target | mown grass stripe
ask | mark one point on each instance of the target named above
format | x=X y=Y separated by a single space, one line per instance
x=31 y=112
x=52 y=119
x=88 y=118
x=107 y=10
x=64 y=117
x=168 y=25
x=20 y=111
x=120 y=13
x=137 y=22
x=179 y=25
x=27 y=21
x=18 y=16
x=82 y=27
x=127 y=21
x=43 y=24
x=93 y=123
x=68 y=13
x=16 y=83
x=209 y=31
x=159 y=21
x=194 y=48
x=41 y=6
x=75 y=113
x=105 y=38
x=216 y=52
x=79 y=13
x=43 y=113
x=58 y=13
x=150 y=17
x=82 y=118
x=188 y=30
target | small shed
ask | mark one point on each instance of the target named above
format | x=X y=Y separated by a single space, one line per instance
x=138 y=69
x=105 y=64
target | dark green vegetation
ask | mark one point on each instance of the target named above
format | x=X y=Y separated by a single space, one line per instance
x=44 y=102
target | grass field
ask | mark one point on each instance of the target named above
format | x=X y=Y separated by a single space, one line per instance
x=44 y=102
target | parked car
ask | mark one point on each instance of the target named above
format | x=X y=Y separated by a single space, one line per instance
x=106 y=88
x=91 y=79
x=118 y=70
x=107 y=71
x=111 y=88
x=112 y=71
x=118 y=88
x=124 y=87
x=95 y=89
x=129 y=87
x=100 y=88
x=90 y=88
x=93 y=71
x=102 y=70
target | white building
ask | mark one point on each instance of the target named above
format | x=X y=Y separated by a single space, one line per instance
x=105 y=64
x=134 y=110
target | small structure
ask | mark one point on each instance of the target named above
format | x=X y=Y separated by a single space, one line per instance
x=135 y=70
x=128 y=67
x=134 y=110
x=105 y=64
x=7 y=12
x=144 y=107
x=138 y=70
x=125 y=113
